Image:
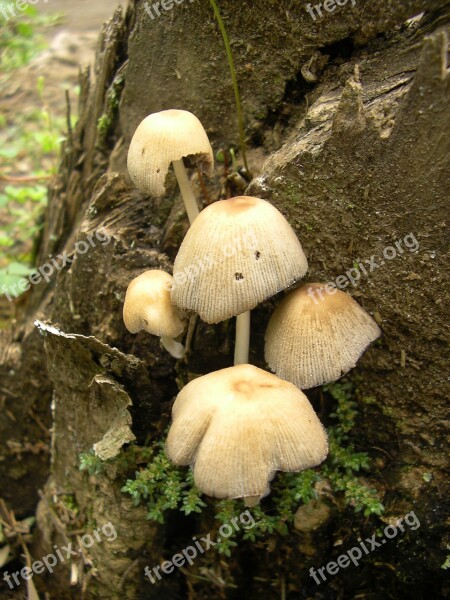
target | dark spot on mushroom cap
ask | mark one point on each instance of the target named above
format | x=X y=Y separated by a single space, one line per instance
x=158 y=170
x=143 y=152
x=238 y=276
x=257 y=254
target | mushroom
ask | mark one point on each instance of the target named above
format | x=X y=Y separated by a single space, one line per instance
x=163 y=138
x=148 y=306
x=240 y=425
x=315 y=337
x=237 y=253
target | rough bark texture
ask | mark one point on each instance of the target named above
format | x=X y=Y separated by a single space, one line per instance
x=359 y=160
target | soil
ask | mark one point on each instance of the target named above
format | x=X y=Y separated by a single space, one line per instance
x=71 y=45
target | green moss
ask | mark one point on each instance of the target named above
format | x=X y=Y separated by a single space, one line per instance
x=446 y=564
x=70 y=503
x=163 y=487
x=106 y=121
x=387 y=411
x=91 y=463
x=291 y=193
x=369 y=400
x=344 y=462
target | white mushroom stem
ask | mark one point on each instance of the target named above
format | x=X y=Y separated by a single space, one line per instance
x=187 y=194
x=251 y=501
x=242 y=344
x=174 y=348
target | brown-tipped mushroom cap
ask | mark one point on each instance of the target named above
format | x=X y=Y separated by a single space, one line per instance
x=238 y=426
x=315 y=337
x=162 y=138
x=148 y=305
x=237 y=253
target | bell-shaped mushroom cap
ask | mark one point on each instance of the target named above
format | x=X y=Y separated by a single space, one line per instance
x=238 y=426
x=148 y=305
x=162 y=138
x=315 y=336
x=237 y=253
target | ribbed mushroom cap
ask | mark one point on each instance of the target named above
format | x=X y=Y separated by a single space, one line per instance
x=148 y=305
x=238 y=426
x=316 y=338
x=237 y=253
x=162 y=138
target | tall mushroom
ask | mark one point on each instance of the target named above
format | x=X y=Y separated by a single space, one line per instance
x=148 y=306
x=317 y=334
x=238 y=426
x=237 y=253
x=168 y=137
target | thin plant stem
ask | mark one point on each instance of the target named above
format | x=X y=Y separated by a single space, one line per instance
x=240 y=116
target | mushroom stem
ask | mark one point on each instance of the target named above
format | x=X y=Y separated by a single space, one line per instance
x=242 y=344
x=174 y=348
x=251 y=501
x=187 y=194
x=190 y=333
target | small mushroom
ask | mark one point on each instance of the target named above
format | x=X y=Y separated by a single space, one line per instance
x=163 y=138
x=247 y=252
x=148 y=306
x=316 y=335
x=238 y=426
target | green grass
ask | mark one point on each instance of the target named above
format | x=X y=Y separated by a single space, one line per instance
x=33 y=140
x=21 y=37
x=29 y=144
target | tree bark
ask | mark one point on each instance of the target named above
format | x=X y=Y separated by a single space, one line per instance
x=357 y=160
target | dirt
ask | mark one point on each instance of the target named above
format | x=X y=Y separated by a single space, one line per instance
x=71 y=45
x=81 y=15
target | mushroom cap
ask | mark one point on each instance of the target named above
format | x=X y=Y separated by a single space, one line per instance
x=237 y=253
x=237 y=426
x=311 y=341
x=148 y=305
x=162 y=138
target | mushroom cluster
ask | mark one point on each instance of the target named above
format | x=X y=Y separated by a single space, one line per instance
x=236 y=427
